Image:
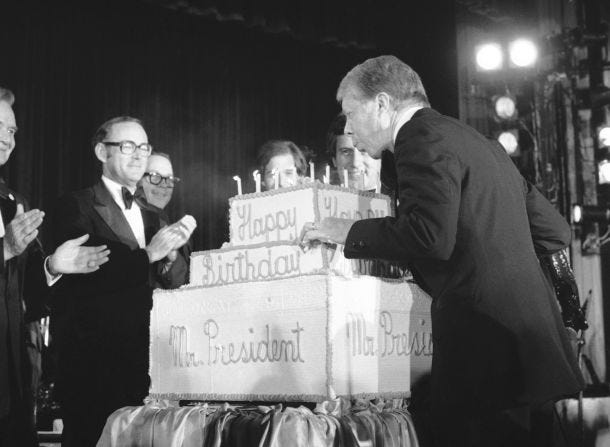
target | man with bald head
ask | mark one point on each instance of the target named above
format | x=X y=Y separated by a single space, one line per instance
x=24 y=292
x=101 y=322
x=158 y=182
x=155 y=190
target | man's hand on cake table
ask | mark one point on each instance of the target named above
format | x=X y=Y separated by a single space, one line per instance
x=330 y=230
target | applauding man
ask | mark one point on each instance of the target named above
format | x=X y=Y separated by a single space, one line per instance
x=154 y=192
x=23 y=286
x=101 y=321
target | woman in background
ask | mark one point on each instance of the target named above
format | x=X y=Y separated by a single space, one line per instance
x=283 y=157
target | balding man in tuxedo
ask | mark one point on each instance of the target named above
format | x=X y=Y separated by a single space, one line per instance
x=101 y=322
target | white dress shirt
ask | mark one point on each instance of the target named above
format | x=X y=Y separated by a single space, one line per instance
x=133 y=215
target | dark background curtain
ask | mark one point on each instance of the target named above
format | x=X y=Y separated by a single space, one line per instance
x=209 y=90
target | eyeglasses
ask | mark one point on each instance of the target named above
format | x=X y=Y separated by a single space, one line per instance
x=156 y=179
x=129 y=147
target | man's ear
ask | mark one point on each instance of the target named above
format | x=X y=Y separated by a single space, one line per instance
x=333 y=162
x=101 y=152
x=383 y=102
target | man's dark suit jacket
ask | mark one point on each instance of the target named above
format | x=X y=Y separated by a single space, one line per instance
x=100 y=320
x=471 y=227
x=23 y=297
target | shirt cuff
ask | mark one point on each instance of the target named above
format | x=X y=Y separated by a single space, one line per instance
x=51 y=279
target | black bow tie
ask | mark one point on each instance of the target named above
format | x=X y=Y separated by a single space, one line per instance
x=127 y=197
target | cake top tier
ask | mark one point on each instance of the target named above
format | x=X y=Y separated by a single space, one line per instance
x=279 y=215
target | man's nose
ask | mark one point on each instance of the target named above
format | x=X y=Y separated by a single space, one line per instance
x=348 y=128
x=357 y=159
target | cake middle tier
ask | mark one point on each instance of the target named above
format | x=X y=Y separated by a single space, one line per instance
x=277 y=260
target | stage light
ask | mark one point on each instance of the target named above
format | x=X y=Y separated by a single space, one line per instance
x=603 y=171
x=489 y=56
x=577 y=214
x=523 y=53
x=505 y=107
x=590 y=213
x=603 y=136
x=509 y=139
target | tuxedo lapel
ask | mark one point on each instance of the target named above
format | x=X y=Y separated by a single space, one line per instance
x=151 y=223
x=112 y=215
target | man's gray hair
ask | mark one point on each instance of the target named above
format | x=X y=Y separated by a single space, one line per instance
x=7 y=96
x=384 y=74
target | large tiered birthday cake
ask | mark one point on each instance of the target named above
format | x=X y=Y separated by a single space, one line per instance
x=264 y=320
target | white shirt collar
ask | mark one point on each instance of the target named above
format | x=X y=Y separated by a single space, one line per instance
x=403 y=116
x=115 y=190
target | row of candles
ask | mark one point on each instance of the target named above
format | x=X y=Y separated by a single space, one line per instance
x=276 y=178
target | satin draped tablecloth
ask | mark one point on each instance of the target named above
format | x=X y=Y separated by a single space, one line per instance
x=336 y=423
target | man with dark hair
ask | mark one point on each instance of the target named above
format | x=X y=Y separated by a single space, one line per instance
x=23 y=287
x=470 y=226
x=100 y=322
x=362 y=170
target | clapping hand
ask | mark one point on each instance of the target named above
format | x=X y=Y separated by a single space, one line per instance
x=22 y=230
x=170 y=238
x=72 y=257
x=184 y=227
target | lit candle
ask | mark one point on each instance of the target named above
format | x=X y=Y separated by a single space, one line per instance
x=345 y=178
x=276 y=178
x=327 y=174
x=312 y=175
x=257 y=179
x=238 y=180
x=362 y=179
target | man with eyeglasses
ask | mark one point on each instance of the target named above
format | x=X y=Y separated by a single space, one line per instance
x=156 y=189
x=101 y=321
x=24 y=293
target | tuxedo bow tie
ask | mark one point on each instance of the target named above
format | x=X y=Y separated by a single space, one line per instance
x=127 y=197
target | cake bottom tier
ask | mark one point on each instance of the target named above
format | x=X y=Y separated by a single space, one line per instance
x=309 y=338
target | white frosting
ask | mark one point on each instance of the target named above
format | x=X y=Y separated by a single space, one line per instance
x=296 y=338
x=279 y=215
x=264 y=320
x=256 y=263
x=276 y=260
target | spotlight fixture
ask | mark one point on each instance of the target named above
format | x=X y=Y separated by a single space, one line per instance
x=603 y=171
x=505 y=107
x=603 y=136
x=590 y=213
x=523 y=53
x=509 y=139
x=489 y=56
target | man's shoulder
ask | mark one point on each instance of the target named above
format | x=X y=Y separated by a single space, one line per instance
x=83 y=194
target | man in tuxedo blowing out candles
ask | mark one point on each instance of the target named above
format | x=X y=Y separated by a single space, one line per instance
x=471 y=228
